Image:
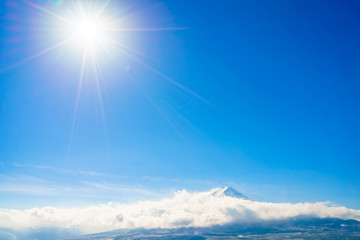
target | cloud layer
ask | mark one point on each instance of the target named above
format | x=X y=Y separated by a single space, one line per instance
x=183 y=210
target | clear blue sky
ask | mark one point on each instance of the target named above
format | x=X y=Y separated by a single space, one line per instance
x=273 y=108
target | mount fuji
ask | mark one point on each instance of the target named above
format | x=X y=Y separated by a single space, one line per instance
x=228 y=192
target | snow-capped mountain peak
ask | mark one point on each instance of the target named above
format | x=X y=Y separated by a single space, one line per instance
x=228 y=192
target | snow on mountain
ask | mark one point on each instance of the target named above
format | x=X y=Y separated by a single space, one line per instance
x=227 y=192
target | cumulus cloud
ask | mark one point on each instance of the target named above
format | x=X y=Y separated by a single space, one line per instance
x=183 y=210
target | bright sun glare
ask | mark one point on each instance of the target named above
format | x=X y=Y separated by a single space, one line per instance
x=88 y=31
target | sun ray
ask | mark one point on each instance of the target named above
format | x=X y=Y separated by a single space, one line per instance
x=98 y=87
x=103 y=8
x=46 y=11
x=147 y=29
x=153 y=103
x=158 y=72
x=80 y=6
x=38 y=54
x=158 y=109
x=82 y=70
x=137 y=52
x=116 y=20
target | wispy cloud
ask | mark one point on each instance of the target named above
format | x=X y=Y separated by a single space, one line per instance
x=67 y=171
x=183 y=210
x=31 y=185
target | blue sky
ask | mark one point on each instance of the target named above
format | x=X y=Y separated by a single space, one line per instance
x=269 y=104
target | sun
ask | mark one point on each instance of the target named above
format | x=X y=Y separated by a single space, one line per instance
x=89 y=31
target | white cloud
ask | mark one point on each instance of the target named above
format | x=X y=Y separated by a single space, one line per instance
x=183 y=210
